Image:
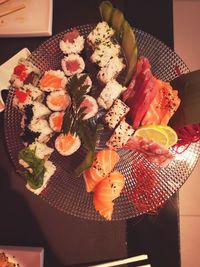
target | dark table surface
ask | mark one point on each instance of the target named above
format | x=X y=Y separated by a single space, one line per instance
x=26 y=220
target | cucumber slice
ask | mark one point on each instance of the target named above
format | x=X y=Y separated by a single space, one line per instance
x=129 y=46
x=117 y=22
x=106 y=11
x=131 y=66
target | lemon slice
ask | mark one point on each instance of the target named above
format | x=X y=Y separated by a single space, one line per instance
x=172 y=135
x=153 y=133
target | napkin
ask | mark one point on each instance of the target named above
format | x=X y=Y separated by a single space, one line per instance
x=6 y=70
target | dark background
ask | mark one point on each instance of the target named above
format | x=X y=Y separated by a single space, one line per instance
x=26 y=220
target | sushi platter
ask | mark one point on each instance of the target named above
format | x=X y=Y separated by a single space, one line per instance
x=61 y=123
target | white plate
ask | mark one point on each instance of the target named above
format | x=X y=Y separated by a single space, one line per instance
x=24 y=256
x=33 y=20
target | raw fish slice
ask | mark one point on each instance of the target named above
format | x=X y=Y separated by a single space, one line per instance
x=92 y=177
x=106 y=191
x=105 y=209
x=163 y=105
x=106 y=160
x=103 y=164
x=51 y=81
x=110 y=187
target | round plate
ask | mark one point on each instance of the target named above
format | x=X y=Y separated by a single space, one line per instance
x=66 y=192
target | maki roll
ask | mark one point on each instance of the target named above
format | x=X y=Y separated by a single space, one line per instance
x=87 y=82
x=91 y=107
x=101 y=33
x=58 y=100
x=67 y=144
x=111 y=70
x=26 y=95
x=72 y=64
x=24 y=73
x=37 y=167
x=72 y=42
x=53 y=80
x=56 y=120
x=104 y=53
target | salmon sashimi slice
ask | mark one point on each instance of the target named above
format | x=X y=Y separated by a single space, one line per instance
x=106 y=191
x=163 y=106
x=92 y=177
x=105 y=209
x=110 y=187
x=106 y=160
x=103 y=164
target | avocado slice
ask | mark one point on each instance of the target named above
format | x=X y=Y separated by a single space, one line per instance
x=106 y=11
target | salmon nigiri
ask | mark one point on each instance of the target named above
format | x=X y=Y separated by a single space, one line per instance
x=106 y=191
x=103 y=164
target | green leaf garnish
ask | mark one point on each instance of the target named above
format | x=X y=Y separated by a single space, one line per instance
x=90 y=137
x=73 y=116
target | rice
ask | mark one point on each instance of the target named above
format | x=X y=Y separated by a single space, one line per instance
x=99 y=34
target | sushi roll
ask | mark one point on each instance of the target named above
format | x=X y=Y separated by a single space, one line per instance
x=40 y=110
x=116 y=113
x=72 y=64
x=120 y=136
x=58 y=100
x=26 y=95
x=111 y=70
x=24 y=73
x=99 y=34
x=55 y=121
x=41 y=150
x=38 y=167
x=67 y=144
x=87 y=82
x=104 y=53
x=42 y=128
x=91 y=107
x=72 y=42
x=53 y=80
x=50 y=169
x=110 y=92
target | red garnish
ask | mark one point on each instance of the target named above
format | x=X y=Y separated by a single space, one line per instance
x=72 y=65
x=143 y=194
x=22 y=95
x=20 y=71
x=177 y=69
x=71 y=36
x=186 y=136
